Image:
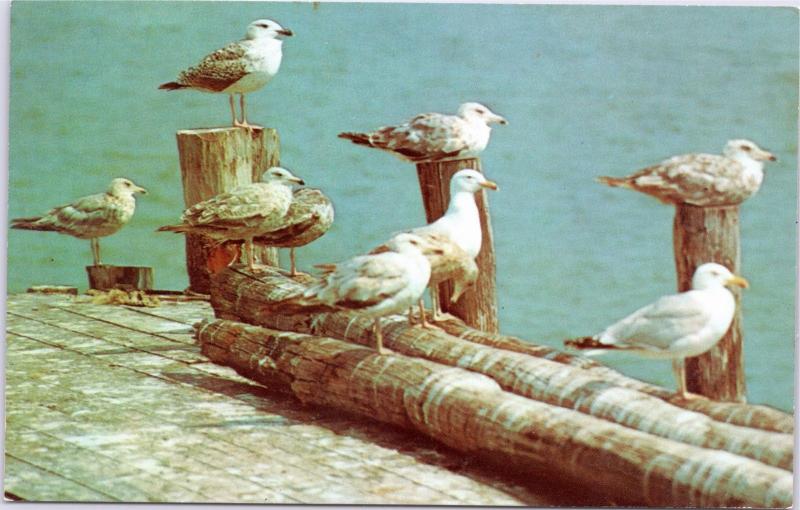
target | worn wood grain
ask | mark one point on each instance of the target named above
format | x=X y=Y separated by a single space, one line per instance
x=235 y=294
x=216 y=160
x=711 y=234
x=478 y=305
x=471 y=412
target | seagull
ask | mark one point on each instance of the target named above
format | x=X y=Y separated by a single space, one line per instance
x=704 y=180
x=243 y=213
x=372 y=285
x=309 y=217
x=90 y=217
x=461 y=226
x=434 y=136
x=239 y=67
x=676 y=326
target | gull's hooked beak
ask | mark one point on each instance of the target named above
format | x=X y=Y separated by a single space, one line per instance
x=139 y=189
x=738 y=281
x=297 y=180
x=499 y=119
x=285 y=32
x=489 y=184
x=767 y=156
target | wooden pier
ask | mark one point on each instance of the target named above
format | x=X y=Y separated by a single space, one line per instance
x=116 y=403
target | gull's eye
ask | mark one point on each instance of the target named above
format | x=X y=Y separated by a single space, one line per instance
x=263 y=25
x=481 y=111
x=745 y=148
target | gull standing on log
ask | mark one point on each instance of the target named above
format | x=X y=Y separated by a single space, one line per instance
x=434 y=136
x=676 y=326
x=239 y=67
x=702 y=179
x=90 y=217
x=461 y=226
x=243 y=213
x=373 y=285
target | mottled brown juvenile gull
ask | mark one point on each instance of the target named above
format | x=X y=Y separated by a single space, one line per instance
x=434 y=136
x=676 y=326
x=372 y=285
x=238 y=68
x=702 y=179
x=309 y=217
x=90 y=217
x=243 y=213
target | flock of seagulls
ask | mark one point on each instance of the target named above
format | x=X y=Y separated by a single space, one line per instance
x=392 y=277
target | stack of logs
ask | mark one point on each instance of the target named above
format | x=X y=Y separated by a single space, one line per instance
x=547 y=413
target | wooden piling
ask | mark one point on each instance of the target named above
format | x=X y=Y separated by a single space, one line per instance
x=711 y=234
x=477 y=306
x=216 y=160
x=107 y=277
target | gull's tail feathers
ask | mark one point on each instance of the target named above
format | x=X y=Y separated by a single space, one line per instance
x=614 y=182
x=172 y=85
x=589 y=345
x=32 y=223
x=358 y=138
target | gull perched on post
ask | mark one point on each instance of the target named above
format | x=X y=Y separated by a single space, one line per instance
x=674 y=327
x=243 y=213
x=90 y=217
x=456 y=238
x=373 y=285
x=239 y=67
x=702 y=179
x=434 y=136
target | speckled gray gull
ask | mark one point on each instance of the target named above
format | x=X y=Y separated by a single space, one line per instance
x=90 y=217
x=455 y=238
x=243 y=213
x=434 y=136
x=702 y=179
x=239 y=67
x=674 y=327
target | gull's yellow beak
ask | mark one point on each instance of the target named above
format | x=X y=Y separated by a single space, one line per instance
x=489 y=185
x=738 y=281
x=139 y=189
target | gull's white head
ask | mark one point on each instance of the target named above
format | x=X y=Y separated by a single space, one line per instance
x=477 y=111
x=267 y=28
x=711 y=275
x=737 y=149
x=471 y=181
x=121 y=187
x=282 y=175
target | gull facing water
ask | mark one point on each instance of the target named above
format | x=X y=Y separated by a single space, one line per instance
x=434 y=136
x=239 y=67
x=90 y=217
x=676 y=326
x=702 y=179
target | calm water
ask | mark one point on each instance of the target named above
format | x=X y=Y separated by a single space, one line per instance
x=587 y=91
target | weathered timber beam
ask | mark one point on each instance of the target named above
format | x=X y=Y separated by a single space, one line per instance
x=471 y=413
x=237 y=295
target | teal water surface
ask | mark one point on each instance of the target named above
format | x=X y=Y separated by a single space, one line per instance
x=587 y=90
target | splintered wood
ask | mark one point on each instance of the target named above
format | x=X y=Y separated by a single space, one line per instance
x=537 y=414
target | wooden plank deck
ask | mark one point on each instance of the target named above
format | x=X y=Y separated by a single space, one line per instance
x=116 y=403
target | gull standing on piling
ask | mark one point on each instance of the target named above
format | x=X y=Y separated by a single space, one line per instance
x=243 y=213
x=239 y=67
x=456 y=238
x=702 y=179
x=90 y=217
x=676 y=326
x=373 y=285
x=434 y=136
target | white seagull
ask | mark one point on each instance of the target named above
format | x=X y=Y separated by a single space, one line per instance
x=239 y=67
x=461 y=226
x=434 y=136
x=90 y=217
x=702 y=179
x=676 y=326
x=243 y=213
x=373 y=285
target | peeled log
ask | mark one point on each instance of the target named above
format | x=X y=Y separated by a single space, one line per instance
x=471 y=413
x=237 y=295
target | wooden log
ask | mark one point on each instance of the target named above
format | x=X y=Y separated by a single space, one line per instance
x=471 y=413
x=235 y=295
x=216 y=160
x=478 y=305
x=107 y=277
x=711 y=234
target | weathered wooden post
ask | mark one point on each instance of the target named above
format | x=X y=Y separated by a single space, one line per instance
x=711 y=234
x=107 y=277
x=478 y=306
x=215 y=160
